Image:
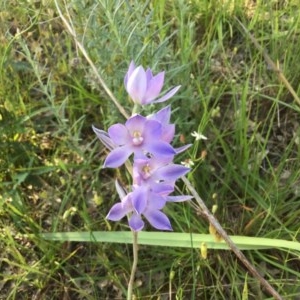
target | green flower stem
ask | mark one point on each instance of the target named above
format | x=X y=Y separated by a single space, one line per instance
x=136 y=109
x=134 y=264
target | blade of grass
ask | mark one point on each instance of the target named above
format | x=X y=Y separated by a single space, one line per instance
x=172 y=239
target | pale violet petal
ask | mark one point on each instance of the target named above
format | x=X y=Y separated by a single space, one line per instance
x=120 y=190
x=183 y=148
x=158 y=220
x=149 y=74
x=129 y=72
x=137 y=84
x=154 y=86
x=152 y=131
x=136 y=223
x=119 y=134
x=156 y=202
x=179 y=198
x=104 y=138
x=163 y=189
x=168 y=132
x=168 y=95
x=140 y=199
x=171 y=172
x=136 y=123
x=160 y=148
x=117 y=157
x=162 y=116
x=117 y=212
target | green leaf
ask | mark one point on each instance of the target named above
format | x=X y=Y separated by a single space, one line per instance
x=171 y=239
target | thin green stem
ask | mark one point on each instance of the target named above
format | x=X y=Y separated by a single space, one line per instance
x=134 y=264
x=136 y=109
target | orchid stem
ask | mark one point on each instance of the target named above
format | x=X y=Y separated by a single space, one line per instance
x=136 y=109
x=134 y=265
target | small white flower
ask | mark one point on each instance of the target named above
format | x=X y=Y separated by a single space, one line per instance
x=198 y=136
x=188 y=163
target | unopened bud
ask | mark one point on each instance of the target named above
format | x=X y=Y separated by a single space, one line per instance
x=172 y=275
x=214 y=208
x=203 y=250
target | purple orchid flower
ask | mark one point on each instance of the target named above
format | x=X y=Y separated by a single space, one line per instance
x=143 y=87
x=139 y=136
x=141 y=202
x=152 y=171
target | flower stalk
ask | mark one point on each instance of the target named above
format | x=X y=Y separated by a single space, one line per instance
x=134 y=265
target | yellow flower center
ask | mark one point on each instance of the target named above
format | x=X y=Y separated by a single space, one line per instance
x=146 y=171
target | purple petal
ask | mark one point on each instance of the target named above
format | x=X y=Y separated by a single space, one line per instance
x=104 y=138
x=158 y=220
x=154 y=87
x=160 y=148
x=156 y=163
x=168 y=95
x=129 y=72
x=137 y=84
x=171 y=172
x=156 y=202
x=117 y=212
x=149 y=74
x=136 y=123
x=120 y=190
x=163 y=115
x=119 y=134
x=183 y=148
x=162 y=189
x=136 y=223
x=140 y=199
x=152 y=130
x=168 y=132
x=179 y=198
x=117 y=157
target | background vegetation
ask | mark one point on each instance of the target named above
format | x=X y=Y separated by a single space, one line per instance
x=51 y=177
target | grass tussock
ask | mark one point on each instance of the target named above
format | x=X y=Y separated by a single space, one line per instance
x=50 y=162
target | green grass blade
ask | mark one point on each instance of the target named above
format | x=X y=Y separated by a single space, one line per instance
x=171 y=239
